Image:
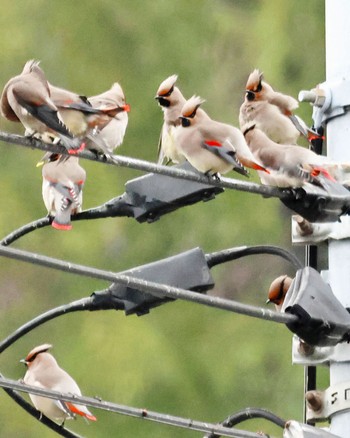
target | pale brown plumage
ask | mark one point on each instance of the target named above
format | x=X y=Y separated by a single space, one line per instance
x=278 y=290
x=212 y=147
x=289 y=165
x=272 y=111
x=26 y=98
x=110 y=133
x=171 y=100
x=44 y=372
x=63 y=181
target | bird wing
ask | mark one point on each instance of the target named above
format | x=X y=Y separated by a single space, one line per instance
x=227 y=154
x=45 y=114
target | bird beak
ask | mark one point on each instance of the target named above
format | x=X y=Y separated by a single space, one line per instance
x=162 y=101
x=268 y=301
x=23 y=361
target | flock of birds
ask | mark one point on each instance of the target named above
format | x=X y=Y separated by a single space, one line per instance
x=266 y=141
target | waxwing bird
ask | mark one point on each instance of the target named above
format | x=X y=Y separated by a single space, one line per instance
x=288 y=165
x=63 y=181
x=76 y=111
x=26 y=99
x=44 y=372
x=257 y=89
x=110 y=133
x=272 y=112
x=212 y=147
x=278 y=290
x=171 y=100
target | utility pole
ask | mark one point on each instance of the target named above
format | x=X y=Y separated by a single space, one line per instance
x=338 y=145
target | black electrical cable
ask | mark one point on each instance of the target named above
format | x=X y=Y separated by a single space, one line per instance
x=28 y=228
x=248 y=414
x=75 y=306
x=235 y=253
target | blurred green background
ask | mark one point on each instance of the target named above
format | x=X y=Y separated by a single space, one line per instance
x=183 y=359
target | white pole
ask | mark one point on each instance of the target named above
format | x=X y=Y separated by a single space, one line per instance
x=338 y=144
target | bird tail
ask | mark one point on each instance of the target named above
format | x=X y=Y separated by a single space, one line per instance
x=83 y=411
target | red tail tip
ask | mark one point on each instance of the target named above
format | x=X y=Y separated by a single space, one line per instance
x=319 y=170
x=76 y=151
x=73 y=408
x=61 y=226
x=258 y=167
x=127 y=108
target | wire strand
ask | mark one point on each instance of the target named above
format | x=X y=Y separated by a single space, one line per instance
x=235 y=253
x=137 y=164
x=130 y=411
x=75 y=306
x=248 y=414
x=148 y=286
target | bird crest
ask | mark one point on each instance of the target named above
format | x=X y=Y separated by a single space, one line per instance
x=37 y=350
x=254 y=82
x=167 y=86
x=190 y=108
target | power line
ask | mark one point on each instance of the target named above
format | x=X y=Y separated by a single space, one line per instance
x=149 y=286
x=248 y=414
x=38 y=415
x=147 y=166
x=130 y=411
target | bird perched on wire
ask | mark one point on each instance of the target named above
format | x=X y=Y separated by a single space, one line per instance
x=63 y=181
x=26 y=98
x=171 y=100
x=76 y=111
x=210 y=146
x=278 y=290
x=272 y=112
x=290 y=165
x=109 y=133
x=44 y=372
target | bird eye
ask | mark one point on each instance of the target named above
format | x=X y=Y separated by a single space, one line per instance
x=185 y=122
x=31 y=358
x=163 y=102
x=250 y=95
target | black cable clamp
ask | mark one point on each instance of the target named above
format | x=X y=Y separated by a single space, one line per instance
x=322 y=319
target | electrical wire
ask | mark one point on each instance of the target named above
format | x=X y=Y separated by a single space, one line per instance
x=248 y=414
x=235 y=253
x=147 y=166
x=130 y=411
x=28 y=228
x=149 y=286
x=82 y=304
x=37 y=414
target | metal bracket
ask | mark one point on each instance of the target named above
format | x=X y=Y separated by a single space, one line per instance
x=307 y=355
x=308 y=233
x=329 y=100
x=321 y=405
x=294 y=429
